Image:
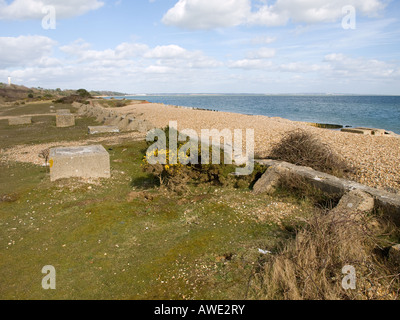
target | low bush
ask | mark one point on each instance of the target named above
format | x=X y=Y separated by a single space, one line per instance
x=177 y=176
x=310 y=267
x=302 y=148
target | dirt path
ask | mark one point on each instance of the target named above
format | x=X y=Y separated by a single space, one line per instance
x=30 y=154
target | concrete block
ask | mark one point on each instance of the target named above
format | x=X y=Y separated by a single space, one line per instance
x=139 y=125
x=365 y=131
x=103 y=129
x=17 y=121
x=109 y=121
x=63 y=111
x=388 y=202
x=65 y=120
x=270 y=180
x=79 y=162
x=355 y=202
x=123 y=124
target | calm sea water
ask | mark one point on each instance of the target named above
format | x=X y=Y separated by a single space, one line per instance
x=357 y=111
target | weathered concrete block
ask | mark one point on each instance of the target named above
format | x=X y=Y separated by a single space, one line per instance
x=111 y=120
x=388 y=202
x=365 y=131
x=103 y=129
x=123 y=124
x=17 y=121
x=270 y=180
x=63 y=111
x=355 y=201
x=139 y=125
x=80 y=162
x=65 y=120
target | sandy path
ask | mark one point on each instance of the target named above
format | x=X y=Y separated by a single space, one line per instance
x=30 y=153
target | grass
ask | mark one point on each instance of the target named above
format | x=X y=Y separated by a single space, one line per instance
x=107 y=244
x=43 y=128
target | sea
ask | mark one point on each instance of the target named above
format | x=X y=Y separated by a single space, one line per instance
x=381 y=112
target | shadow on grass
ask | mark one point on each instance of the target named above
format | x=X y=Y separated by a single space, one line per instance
x=145 y=182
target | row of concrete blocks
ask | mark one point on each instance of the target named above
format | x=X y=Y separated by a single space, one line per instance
x=64 y=119
x=387 y=201
x=112 y=119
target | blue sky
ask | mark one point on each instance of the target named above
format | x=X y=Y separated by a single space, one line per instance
x=203 y=46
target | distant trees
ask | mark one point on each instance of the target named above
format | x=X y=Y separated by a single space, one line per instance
x=83 y=93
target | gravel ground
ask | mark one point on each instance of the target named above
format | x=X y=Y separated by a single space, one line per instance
x=377 y=159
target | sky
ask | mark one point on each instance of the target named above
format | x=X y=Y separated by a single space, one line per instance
x=203 y=46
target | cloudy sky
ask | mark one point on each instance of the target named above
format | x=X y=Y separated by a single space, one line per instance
x=203 y=46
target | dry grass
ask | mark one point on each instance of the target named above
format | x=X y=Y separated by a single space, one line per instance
x=301 y=148
x=310 y=266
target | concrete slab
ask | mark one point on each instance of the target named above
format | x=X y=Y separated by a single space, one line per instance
x=17 y=121
x=65 y=120
x=103 y=129
x=365 y=131
x=79 y=162
x=63 y=111
x=355 y=202
x=388 y=202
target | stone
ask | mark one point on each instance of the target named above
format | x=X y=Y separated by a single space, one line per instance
x=65 y=120
x=123 y=124
x=269 y=181
x=63 y=111
x=111 y=120
x=103 y=129
x=388 y=202
x=79 y=162
x=355 y=201
x=17 y=121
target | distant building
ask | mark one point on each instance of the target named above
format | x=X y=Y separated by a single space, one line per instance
x=9 y=81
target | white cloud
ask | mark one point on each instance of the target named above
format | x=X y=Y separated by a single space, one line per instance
x=82 y=51
x=24 y=50
x=210 y=14
x=206 y=14
x=361 y=68
x=250 y=64
x=33 y=9
x=262 y=53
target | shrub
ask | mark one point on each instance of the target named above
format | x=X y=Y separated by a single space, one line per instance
x=310 y=266
x=178 y=176
x=302 y=148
